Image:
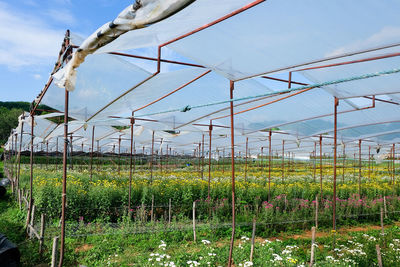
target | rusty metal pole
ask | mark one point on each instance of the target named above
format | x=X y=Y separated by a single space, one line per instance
x=47 y=154
x=202 y=157
x=31 y=171
x=161 y=154
x=151 y=158
x=315 y=163
x=19 y=154
x=98 y=155
x=393 y=167
x=199 y=159
x=283 y=160
x=91 y=154
x=320 y=167
x=261 y=162
x=269 y=164
x=232 y=86
x=130 y=167
x=56 y=153
x=166 y=160
x=119 y=155
x=344 y=162
x=359 y=168
x=334 y=165
x=369 y=163
x=245 y=159
x=65 y=154
x=223 y=161
x=134 y=156
x=210 y=128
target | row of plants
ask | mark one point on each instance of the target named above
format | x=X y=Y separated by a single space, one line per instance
x=105 y=195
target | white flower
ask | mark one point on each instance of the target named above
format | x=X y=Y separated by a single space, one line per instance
x=205 y=242
x=245 y=238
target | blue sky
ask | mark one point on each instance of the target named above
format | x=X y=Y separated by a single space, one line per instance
x=31 y=33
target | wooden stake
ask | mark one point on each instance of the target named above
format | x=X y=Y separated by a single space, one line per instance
x=194 y=221
x=169 y=212
x=384 y=206
x=253 y=235
x=54 y=252
x=378 y=253
x=316 y=211
x=382 y=221
x=152 y=208
x=42 y=226
x=31 y=221
x=19 y=198
x=312 y=246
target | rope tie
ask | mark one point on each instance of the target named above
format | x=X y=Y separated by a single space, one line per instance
x=186 y=109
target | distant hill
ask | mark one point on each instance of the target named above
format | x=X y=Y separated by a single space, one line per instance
x=9 y=112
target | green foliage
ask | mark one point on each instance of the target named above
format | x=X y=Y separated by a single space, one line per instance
x=8 y=121
x=9 y=112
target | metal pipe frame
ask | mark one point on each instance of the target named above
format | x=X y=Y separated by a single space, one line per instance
x=336 y=104
x=232 y=88
x=209 y=160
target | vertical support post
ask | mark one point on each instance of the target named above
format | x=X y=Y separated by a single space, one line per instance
x=369 y=163
x=169 y=212
x=393 y=168
x=312 y=246
x=283 y=161
x=12 y=162
x=269 y=164
x=379 y=255
x=199 y=159
x=194 y=221
x=223 y=161
x=54 y=252
x=210 y=128
x=31 y=170
x=47 y=154
x=336 y=104
x=64 y=183
x=202 y=157
x=91 y=154
x=316 y=211
x=315 y=154
x=42 y=226
x=119 y=155
x=344 y=162
x=130 y=167
x=151 y=159
x=320 y=167
x=232 y=86
x=253 y=235
x=161 y=155
x=98 y=155
x=152 y=209
x=382 y=228
x=245 y=162
x=166 y=160
x=19 y=153
x=56 y=153
x=359 y=168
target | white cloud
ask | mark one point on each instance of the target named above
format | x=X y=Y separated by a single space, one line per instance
x=387 y=35
x=37 y=76
x=63 y=16
x=26 y=40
